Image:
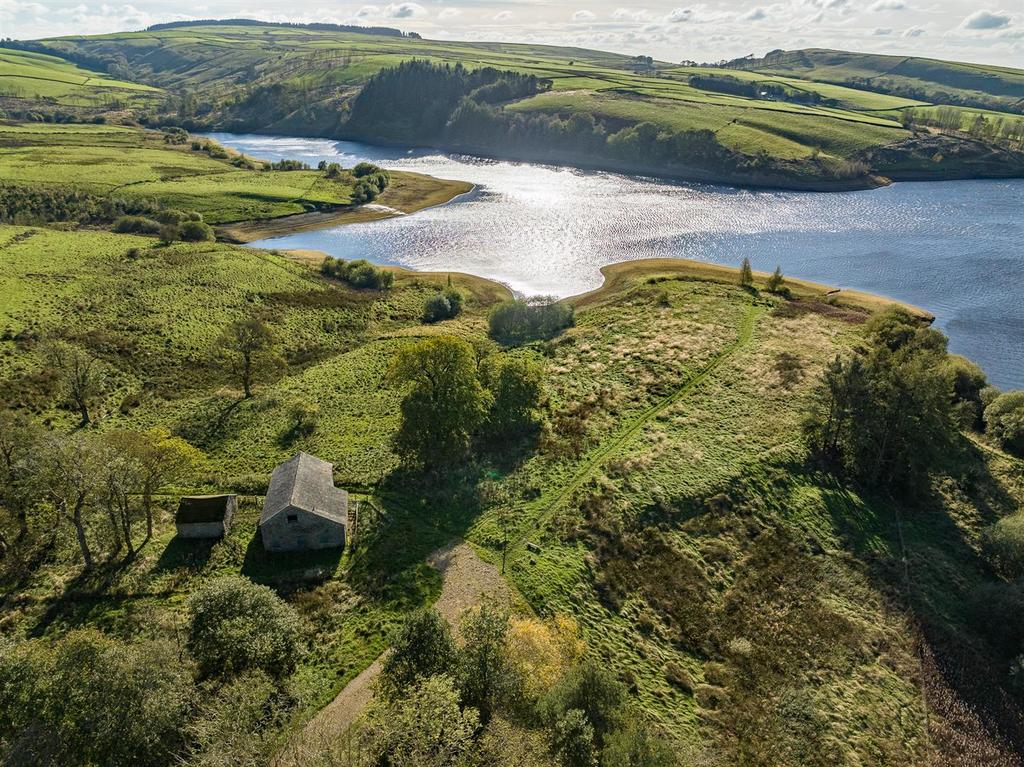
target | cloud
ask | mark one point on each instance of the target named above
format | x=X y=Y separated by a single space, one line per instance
x=448 y=13
x=677 y=15
x=987 y=20
x=881 y=31
x=368 y=11
x=754 y=14
x=583 y=16
x=887 y=5
x=631 y=14
x=503 y=16
x=404 y=11
x=912 y=32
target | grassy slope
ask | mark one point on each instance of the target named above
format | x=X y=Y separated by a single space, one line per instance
x=131 y=163
x=35 y=76
x=1004 y=83
x=215 y=62
x=215 y=59
x=687 y=402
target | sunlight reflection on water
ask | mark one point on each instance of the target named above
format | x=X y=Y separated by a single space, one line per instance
x=953 y=248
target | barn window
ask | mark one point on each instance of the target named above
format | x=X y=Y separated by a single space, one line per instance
x=293 y=518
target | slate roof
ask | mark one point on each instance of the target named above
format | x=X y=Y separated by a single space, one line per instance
x=305 y=482
x=197 y=509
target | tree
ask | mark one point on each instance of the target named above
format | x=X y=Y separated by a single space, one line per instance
x=248 y=346
x=636 y=746
x=86 y=699
x=72 y=474
x=487 y=677
x=592 y=689
x=424 y=728
x=161 y=458
x=443 y=305
x=235 y=625
x=543 y=651
x=1003 y=543
x=19 y=439
x=746 y=274
x=514 y=323
x=445 y=402
x=517 y=389
x=423 y=648
x=775 y=282
x=1004 y=420
x=886 y=415
x=82 y=376
x=572 y=739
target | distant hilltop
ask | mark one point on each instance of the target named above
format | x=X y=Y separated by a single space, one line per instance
x=322 y=27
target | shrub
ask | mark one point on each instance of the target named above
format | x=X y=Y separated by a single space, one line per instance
x=136 y=225
x=234 y=624
x=88 y=699
x=169 y=233
x=442 y=306
x=196 y=231
x=358 y=274
x=423 y=648
x=171 y=216
x=304 y=418
x=517 y=322
x=1004 y=420
x=1004 y=545
x=592 y=689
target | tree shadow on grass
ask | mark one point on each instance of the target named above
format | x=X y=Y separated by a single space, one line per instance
x=185 y=553
x=209 y=423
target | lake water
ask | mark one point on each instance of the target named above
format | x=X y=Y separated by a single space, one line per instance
x=954 y=248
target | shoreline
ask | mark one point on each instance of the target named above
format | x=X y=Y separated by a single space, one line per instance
x=620 y=274
x=408 y=193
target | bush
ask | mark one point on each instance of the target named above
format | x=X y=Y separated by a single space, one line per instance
x=517 y=322
x=1004 y=420
x=86 y=699
x=358 y=274
x=442 y=306
x=169 y=233
x=234 y=624
x=423 y=648
x=171 y=216
x=592 y=689
x=1003 y=543
x=136 y=225
x=196 y=231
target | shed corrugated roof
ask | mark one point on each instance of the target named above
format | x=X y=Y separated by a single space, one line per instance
x=305 y=482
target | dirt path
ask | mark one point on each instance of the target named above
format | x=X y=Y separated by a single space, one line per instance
x=467 y=580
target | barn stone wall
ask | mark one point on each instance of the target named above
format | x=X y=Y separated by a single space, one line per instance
x=308 y=531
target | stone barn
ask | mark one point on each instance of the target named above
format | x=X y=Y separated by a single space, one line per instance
x=205 y=516
x=303 y=509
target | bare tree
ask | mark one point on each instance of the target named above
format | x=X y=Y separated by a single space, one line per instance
x=83 y=377
x=72 y=475
x=247 y=347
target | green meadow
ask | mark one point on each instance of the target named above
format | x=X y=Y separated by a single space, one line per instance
x=26 y=75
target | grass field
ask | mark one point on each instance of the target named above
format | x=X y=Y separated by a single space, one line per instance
x=131 y=163
x=38 y=77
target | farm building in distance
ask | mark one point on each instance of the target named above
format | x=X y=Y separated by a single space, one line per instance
x=205 y=516
x=303 y=509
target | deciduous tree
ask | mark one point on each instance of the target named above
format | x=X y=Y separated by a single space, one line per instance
x=247 y=347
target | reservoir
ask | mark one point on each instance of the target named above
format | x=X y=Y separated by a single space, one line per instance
x=954 y=248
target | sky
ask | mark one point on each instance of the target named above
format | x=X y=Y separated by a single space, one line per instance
x=670 y=31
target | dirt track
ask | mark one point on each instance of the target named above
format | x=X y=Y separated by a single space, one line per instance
x=467 y=580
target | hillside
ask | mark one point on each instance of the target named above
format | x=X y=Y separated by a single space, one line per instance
x=751 y=604
x=940 y=82
x=791 y=126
